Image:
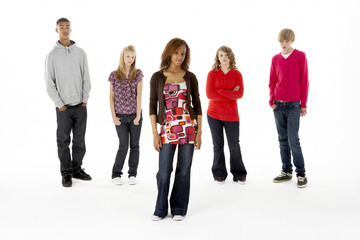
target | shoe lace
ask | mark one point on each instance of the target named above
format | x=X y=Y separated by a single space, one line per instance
x=301 y=179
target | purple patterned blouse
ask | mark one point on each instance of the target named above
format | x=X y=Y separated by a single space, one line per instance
x=125 y=92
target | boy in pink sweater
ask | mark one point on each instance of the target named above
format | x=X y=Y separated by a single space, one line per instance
x=289 y=86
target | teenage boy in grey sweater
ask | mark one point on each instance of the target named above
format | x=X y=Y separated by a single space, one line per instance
x=68 y=85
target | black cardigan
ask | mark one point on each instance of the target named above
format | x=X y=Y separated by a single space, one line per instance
x=156 y=105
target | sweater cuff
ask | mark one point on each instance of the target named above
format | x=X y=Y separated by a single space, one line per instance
x=85 y=99
x=271 y=102
x=59 y=104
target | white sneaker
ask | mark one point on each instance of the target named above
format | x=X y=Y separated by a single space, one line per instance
x=218 y=181
x=178 y=217
x=132 y=180
x=117 y=181
x=241 y=182
x=156 y=218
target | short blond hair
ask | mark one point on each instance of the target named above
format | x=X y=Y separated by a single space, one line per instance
x=286 y=34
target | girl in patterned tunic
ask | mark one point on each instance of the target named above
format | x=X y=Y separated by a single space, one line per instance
x=175 y=105
x=125 y=103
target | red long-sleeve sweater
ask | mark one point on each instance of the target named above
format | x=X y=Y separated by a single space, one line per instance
x=289 y=78
x=223 y=100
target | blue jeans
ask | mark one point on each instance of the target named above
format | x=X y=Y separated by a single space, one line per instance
x=287 y=119
x=72 y=119
x=237 y=167
x=179 y=198
x=127 y=129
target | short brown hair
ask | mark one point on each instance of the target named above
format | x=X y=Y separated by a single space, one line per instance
x=230 y=55
x=62 y=20
x=170 y=49
x=286 y=34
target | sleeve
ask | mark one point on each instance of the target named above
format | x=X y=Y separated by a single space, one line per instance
x=86 y=79
x=304 y=81
x=50 y=82
x=111 y=78
x=211 y=93
x=140 y=75
x=272 y=82
x=234 y=95
x=153 y=95
x=195 y=96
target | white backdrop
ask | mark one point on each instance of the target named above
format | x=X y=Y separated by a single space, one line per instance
x=32 y=200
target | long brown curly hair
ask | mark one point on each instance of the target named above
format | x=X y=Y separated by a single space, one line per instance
x=170 y=49
x=230 y=55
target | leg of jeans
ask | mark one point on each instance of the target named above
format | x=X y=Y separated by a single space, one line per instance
x=64 y=126
x=219 y=168
x=135 y=131
x=166 y=157
x=179 y=199
x=78 y=143
x=237 y=167
x=293 y=135
x=281 y=126
x=123 y=135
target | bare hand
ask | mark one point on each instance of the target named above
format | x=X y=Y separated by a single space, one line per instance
x=136 y=121
x=303 y=112
x=197 y=142
x=157 y=142
x=273 y=107
x=236 y=88
x=116 y=121
x=63 y=108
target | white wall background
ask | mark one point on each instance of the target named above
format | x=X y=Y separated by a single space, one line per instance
x=32 y=201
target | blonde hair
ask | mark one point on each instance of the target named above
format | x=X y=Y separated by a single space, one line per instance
x=286 y=34
x=230 y=55
x=120 y=72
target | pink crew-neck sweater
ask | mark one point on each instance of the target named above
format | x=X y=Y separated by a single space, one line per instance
x=289 y=78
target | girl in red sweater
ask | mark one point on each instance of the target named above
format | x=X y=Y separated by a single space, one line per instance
x=224 y=86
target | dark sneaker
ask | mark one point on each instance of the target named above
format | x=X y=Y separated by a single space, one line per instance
x=66 y=181
x=283 y=177
x=82 y=175
x=302 y=182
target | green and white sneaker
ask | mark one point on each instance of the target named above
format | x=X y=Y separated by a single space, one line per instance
x=283 y=177
x=302 y=182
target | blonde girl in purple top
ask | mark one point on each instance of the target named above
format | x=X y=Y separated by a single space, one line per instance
x=125 y=104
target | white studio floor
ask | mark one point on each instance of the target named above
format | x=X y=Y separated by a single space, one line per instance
x=36 y=206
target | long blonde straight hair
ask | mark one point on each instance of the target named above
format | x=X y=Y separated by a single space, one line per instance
x=120 y=72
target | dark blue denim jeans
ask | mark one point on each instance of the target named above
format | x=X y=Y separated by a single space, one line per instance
x=179 y=198
x=287 y=119
x=237 y=167
x=125 y=131
x=72 y=119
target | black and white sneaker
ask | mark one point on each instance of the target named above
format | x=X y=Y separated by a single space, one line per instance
x=283 y=177
x=302 y=181
x=82 y=175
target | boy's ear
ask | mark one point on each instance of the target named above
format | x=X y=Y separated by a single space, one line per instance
x=56 y=30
